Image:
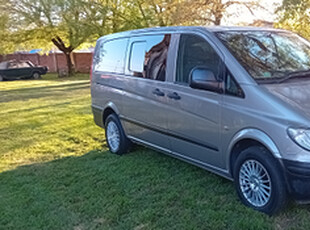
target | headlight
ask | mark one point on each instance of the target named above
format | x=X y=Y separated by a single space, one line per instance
x=300 y=136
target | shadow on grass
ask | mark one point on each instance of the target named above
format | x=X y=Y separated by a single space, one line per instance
x=39 y=92
x=76 y=77
x=141 y=190
x=36 y=108
x=53 y=77
x=44 y=87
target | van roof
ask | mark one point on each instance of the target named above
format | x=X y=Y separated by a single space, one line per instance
x=184 y=28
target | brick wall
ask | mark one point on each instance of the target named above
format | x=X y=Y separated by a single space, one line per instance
x=55 y=61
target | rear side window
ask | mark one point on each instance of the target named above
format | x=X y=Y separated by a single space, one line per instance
x=23 y=65
x=12 y=65
x=148 y=57
x=112 y=56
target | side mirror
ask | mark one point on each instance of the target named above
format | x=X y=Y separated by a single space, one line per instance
x=204 y=78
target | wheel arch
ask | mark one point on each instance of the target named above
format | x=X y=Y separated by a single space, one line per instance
x=109 y=109
x=246 y=138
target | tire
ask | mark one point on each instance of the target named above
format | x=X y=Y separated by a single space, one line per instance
x=117 y=141
x=36 y=75
x=255 y=171
x=1 y=78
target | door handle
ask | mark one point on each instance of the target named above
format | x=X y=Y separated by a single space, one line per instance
x=158 y=92
x=174 y=96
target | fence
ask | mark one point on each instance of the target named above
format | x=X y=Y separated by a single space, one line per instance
x=55 y=61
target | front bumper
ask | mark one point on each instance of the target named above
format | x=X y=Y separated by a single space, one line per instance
x=298 y=178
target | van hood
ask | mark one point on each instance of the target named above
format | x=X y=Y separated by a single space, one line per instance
x=295 y=93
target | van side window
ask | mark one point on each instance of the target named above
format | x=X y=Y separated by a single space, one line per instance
x=232 y=87
x=195 y=51
x=148 y=57
x=137 y=58
x=112 y=56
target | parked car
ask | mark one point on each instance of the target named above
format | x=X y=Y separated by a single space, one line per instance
x=232 y=100
x=12 y=70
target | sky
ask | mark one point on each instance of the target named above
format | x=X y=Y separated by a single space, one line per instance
x=240 y=14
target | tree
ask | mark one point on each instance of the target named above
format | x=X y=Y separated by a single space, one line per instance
x=206 y=12
x=6 y=44
x=148 y=13
x=4 y=32
x=295 y=15
x=135 y=14
x=159 y=12
x=67 y=24
x=64 y=23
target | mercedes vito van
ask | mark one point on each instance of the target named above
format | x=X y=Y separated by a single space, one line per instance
x=232 y=100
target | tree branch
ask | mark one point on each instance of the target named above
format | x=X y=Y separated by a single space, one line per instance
x=58 y=42
x=142 y=12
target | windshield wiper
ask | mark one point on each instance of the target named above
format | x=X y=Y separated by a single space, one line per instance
x=294 y=74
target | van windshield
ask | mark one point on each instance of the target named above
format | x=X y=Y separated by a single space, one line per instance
x=269 y=56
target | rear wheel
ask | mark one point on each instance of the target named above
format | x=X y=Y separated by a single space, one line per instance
x=117 y=141
x=259 y=181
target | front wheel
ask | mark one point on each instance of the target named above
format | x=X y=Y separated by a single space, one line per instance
x=117 y=141
x=259 y=181
x=36 y=76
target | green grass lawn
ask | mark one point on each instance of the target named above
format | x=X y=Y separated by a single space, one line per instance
x=56 y=173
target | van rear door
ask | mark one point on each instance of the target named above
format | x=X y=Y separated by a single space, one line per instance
x=108 y=73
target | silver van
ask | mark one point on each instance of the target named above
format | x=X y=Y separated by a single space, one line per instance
x=232 y=100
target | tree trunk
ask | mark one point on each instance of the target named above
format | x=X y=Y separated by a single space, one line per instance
x=218 y=13
x=218 y=17
x=217 y=21
x=67 y=50
x=69 y=63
